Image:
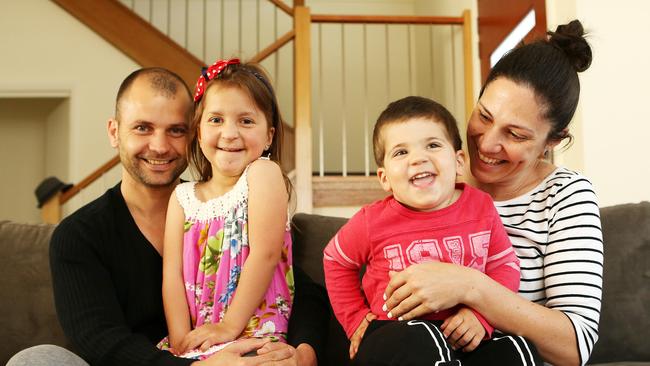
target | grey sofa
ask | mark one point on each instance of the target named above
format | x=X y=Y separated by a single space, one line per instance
x=28 y=316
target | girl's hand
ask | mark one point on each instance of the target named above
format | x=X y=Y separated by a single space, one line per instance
x=463 y=330
x=426 y=288
x=355 y=340
x=206 y=336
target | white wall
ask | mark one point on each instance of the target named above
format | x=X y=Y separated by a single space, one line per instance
x=613 y=127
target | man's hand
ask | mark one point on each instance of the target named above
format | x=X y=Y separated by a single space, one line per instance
x=207 y=335
x=463 y=330
x=355 y=340
x=233 y=355
x=303 y=355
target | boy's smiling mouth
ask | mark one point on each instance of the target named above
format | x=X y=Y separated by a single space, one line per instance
x=422 y=179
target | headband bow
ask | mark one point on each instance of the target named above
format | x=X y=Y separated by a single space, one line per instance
x=209 y=73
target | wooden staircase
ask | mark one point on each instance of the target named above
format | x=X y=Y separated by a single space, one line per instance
x=135 y=37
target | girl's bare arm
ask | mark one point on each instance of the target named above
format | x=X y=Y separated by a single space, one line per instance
x=174 y=299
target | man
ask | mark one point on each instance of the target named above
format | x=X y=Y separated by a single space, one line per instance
x=106 y=257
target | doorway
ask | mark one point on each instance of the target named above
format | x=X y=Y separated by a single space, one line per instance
x=34 y=144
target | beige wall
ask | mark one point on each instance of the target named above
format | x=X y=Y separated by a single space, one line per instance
x=57 y=138
x=611 y=131
x=48 y=52
x=24 y=145
x=614 y=100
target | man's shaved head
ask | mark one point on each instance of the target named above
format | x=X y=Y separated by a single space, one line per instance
x=161 y=81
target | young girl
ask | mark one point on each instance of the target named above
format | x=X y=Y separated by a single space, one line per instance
x=227 y=257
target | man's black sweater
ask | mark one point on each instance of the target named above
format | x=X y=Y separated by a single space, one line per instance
x=107 y=280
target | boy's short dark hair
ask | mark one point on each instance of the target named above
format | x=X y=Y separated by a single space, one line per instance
x=410 y=108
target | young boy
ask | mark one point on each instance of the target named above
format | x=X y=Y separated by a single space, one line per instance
x=428 y=217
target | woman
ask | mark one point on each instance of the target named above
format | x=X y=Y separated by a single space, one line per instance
x=550 y=213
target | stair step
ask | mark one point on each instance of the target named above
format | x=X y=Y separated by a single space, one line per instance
x=346 y=191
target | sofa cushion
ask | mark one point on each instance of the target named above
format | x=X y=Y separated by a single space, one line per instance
x=29 y=317
x=622 y=364
x=624 y=331
x=311 y=233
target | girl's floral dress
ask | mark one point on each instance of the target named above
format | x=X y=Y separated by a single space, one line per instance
x=215 y=247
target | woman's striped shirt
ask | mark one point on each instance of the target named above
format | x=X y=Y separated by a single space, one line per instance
x=555 y=230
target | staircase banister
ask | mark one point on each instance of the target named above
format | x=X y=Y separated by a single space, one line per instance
x=67 y=195
x=385 y=19
x=268 y=51
x=120 y=26
x=284 y=7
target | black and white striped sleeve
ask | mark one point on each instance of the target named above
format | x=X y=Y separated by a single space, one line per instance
x=573 y=262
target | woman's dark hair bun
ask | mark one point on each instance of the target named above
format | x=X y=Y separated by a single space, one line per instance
x=570 y=39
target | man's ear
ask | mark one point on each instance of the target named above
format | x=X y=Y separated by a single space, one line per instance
x=460 y=163
x=383 y=179
x=113 y=132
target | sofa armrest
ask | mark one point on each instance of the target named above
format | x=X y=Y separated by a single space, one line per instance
x=28 y=313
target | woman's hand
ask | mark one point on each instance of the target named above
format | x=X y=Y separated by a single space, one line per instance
x=355 y=340
x=426 y=288
x=207 y=335
x=463 y=330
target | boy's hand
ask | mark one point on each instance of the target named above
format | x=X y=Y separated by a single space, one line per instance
x=355 y=340
x=463 y=330
x=206 y=336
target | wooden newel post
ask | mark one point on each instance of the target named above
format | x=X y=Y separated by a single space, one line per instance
x=51 y=209
x=302 y=106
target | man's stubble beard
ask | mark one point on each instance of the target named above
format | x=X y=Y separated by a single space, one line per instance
x=133 y=166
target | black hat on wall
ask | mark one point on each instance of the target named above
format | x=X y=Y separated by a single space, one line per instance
x=48 y=188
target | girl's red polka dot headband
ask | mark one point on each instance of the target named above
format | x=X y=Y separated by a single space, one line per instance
x=209 y=73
